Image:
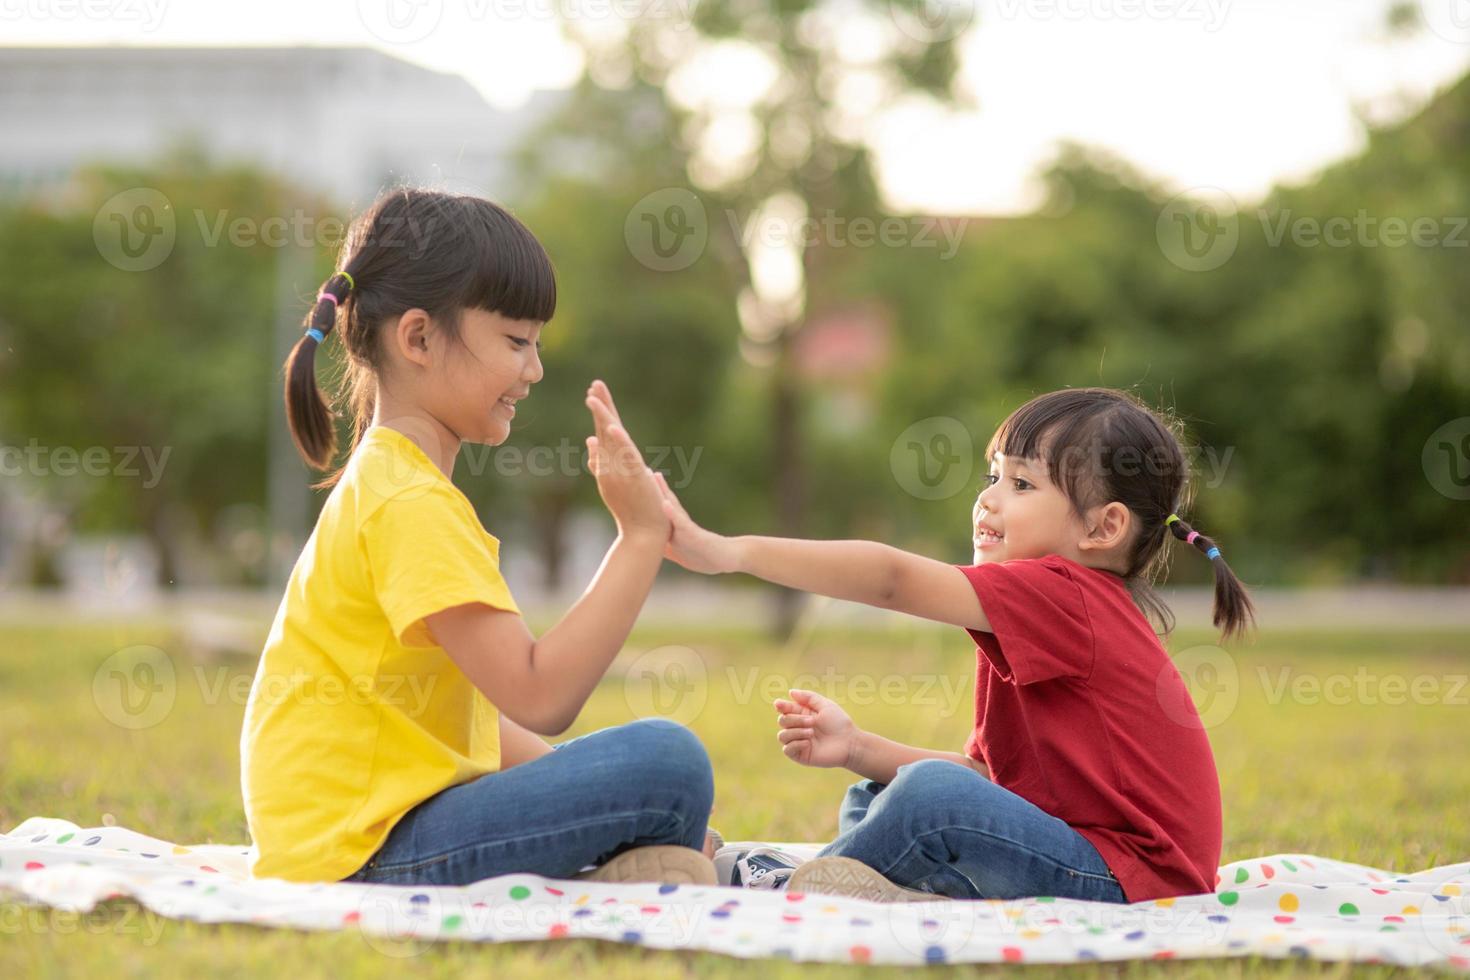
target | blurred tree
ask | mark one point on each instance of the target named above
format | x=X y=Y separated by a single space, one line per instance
x=763 y=107
x=172 y=363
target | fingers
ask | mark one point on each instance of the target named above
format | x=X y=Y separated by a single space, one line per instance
x=604 y=393
x=797 y=721
x=790 y=735
x=787 y=707
x=808 y=699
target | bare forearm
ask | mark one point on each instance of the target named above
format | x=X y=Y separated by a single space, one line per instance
x=569 y=660
x=877 y=758
x=860 y=571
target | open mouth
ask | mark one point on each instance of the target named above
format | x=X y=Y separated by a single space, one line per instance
x=509 y=404
x=987 y=539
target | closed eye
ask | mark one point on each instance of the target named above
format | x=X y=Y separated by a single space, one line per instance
x=522 y=343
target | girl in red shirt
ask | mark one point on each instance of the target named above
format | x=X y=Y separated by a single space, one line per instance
x=1088 y=774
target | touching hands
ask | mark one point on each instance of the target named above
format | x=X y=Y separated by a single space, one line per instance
x=815 y=731
x=691 y=545
x=623 y=479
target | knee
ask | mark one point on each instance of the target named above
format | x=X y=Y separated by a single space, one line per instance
x=930 y=780
x=673 y=753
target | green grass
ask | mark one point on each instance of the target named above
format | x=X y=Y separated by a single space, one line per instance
x=1364 y=780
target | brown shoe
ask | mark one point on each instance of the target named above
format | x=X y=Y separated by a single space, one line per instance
x=844 y=876
x=666 y=864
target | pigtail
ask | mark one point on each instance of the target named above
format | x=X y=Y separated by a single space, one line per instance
x=1234 y=612
x=308 y=414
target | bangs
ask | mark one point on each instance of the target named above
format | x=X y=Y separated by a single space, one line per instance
x=1063 y=429
x=508 y=272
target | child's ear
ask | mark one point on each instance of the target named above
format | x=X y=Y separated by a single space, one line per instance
x=1107 y=527
x=411 y=336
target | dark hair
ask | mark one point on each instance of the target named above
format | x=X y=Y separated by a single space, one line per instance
x=413 y=248
x=1101 y=445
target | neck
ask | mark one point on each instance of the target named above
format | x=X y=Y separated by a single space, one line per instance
x=419 y=427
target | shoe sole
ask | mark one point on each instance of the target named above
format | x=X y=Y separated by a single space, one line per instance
x=853 y=879
x=666 y=864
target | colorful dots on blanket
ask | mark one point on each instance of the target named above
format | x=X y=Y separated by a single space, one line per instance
x=1229 y=898
x=520 y=893
x=1347 y=908
x=1289 y=902
x=860 y=954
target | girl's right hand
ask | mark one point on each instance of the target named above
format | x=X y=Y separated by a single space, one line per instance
x=815 y=731
x=623 y=479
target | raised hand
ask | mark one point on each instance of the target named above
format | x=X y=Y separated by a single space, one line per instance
x=815 y=731
x=624 y=481
x=691 y=545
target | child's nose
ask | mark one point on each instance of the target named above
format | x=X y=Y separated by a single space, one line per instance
x=534 y=370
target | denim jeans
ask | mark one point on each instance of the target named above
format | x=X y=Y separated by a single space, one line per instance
x=942 y=828
x=646 y=782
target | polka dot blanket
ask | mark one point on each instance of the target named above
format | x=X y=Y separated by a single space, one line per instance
x=1282 y=906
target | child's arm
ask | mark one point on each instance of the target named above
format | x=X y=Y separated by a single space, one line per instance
x=860 y=571
x=541 y=684
x=517 y=745
x=816 y=732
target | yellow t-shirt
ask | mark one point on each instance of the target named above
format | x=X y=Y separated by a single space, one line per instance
x=355 y=716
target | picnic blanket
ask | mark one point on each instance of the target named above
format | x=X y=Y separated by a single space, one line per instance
x=1281 y=906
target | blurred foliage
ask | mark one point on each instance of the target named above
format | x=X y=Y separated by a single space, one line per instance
x=1313 y=373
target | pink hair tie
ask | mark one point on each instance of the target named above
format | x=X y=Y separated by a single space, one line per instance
x=326 y=295
x=1191 y=536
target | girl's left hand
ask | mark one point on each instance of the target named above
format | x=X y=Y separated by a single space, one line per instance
x=691 y=545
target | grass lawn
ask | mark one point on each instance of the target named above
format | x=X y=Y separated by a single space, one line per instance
x=1348 y=745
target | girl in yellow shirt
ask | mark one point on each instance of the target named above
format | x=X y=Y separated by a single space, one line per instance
x=391 y=733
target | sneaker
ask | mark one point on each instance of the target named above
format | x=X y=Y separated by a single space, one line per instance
x=667 y=864
x=758 y=867
x=844 y=876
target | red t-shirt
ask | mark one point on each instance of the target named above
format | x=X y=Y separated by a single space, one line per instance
x=1079 y=710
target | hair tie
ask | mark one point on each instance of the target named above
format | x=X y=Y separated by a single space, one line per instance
x=1212 y=554
x=1171 y=520
x=1189 y=538
x=314 y=332
x=350 y=283
x=326 y=295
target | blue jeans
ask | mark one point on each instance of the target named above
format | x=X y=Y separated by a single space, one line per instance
x=646 y=782
x=942 y=828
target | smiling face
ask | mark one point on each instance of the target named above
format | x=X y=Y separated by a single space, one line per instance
x=474 y=391
x=1020 y=513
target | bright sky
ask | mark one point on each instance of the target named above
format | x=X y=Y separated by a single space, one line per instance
x=1230 y=94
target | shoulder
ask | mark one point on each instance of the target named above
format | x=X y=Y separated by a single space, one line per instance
x=382 y=476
